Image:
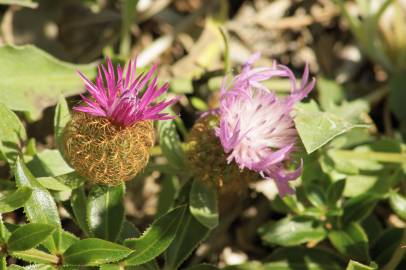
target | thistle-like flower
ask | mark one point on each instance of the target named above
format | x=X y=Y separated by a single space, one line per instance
x=256 y=127
x=110 y=134
x=253 y=129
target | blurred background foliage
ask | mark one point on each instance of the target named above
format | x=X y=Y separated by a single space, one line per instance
x=349 y=211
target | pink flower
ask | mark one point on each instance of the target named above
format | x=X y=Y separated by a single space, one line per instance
x=256 y=127
x=120 y=99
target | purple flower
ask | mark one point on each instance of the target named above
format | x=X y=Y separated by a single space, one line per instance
x=120 y=100
x=256 y=127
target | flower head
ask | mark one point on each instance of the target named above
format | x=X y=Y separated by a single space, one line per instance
x=109 y=138
x=119 y=99
x=256 y=128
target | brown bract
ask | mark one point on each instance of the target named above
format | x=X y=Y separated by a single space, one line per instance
x=208 y=162
x=105 y=153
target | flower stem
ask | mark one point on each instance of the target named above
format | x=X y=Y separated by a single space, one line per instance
x=398 y=255
x=372 y=155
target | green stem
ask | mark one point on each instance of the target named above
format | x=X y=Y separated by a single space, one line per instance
x=398 y=255
x=371 y=155
x=157 y=151
x=128 y=10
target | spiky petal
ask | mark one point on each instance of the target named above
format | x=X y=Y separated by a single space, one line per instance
x=256 y=127
x=117 y=96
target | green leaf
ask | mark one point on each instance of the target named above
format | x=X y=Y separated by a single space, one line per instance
x=203 y=267
x=352 y=242
x=398 y=204
x=301 y=258
x=12 y=133
x=169 y=189
x=53 y=183
x=105 y=211
x=40 y=207
x=61 y=118
x=292 y=231
x=23 y=3
x=130 y=231
x=203 y=203
x=38 y=85
x=330 y=92
x=386 y=245
x=29 y=236
x=353 y=265
x=93 y=251
x=3 y=262
x=78 y=202
x=35 y=256
x=110 y=267
x=156 y=238
x=49 y=163
x=15 y=200
x=358 y=208
x=335 y=191
x=170 y=144
x=397 y=95
x=191 y=232
x=317 y=128
x=32 y=267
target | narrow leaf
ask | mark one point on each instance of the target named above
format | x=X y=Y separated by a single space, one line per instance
x=398 y=204
x=105 y=211
x=353 y=265
x=40 y=207
x=191 y=232
x=352 y=242
x=156 y=238
x=203 y=203
x=61 y=118
x=78 y=201
x=29 y=236
x=170 y=144
x=15 y=200
x=35 y=256
x=93 y=251
x=12 y=133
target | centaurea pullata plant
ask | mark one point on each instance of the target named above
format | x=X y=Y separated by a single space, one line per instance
x=109 y=137
x=253 y=130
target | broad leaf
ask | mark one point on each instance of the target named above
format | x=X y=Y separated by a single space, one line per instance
x=292 y=231
x=93 y=251
x=38 y=85
x=398 y=204
x=61 y=118
x=40 y=207
x=12 y=133
x=352 y=242
x=170 y=144
x=156 y=238
x=203 y=203
x=317 y=128
x=29 y=236
x=191 y=233
x=15 y=200
x=105 y=211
